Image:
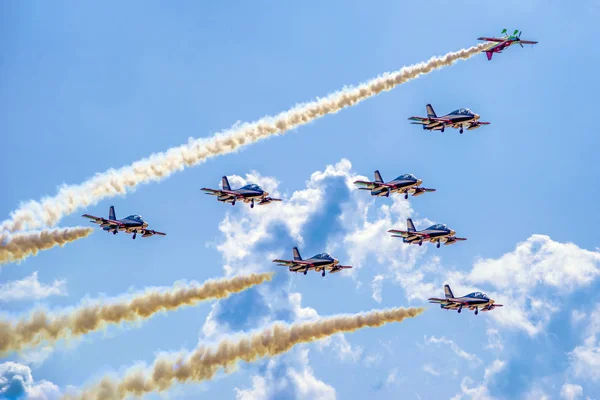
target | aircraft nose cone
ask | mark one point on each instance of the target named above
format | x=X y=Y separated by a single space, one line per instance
x=452 y=233
x=419 y=181
x=476 y=116
x=335 y=261
x=265 y=193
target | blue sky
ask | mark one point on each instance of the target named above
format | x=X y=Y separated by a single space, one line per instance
x=84 y=88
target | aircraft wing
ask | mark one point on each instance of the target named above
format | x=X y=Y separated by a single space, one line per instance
x=267 y=200
x=491 y=39
x=452 y=240
x=215 y=192
x=436 y=300
x=150 y=232
x=212 y=191
x=291 y=263
x=338 y=268
x=368 y=185
x=421 y=190
x=102 y=221
x=285 y=263
x=420 y=120
x=408 y=234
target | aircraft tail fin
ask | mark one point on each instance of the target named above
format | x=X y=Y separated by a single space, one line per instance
x=489 y=54
x=410 y=227
x=448 y=292
x=111 y=213
x=297 y=255
x=225 y=183
x=378 y=178
x=430 y=112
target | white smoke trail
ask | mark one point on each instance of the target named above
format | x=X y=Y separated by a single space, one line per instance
x=158 y=166
x=43 y=326
x=18 y=246
x=203 y=363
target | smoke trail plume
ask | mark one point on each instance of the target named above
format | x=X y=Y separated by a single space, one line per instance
x=160 y=165
x=22 y=245
x=42 y=326
x=203 y=363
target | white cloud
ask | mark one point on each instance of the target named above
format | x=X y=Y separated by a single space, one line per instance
x=377 y=286
x=297 y=382
x=457 y=350
x=537 y=263
x=577 y=316
x=392 y=377
x=494 y=340
x=30 y=288
x=309 y=387
x=539 y=260
x=16 y=381
x=430 y=370
x=481 y=391
x=245 y=231
x=258 y=391
x=585 y=359
x=570 y=391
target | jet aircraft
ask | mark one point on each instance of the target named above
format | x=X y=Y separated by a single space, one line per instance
x=503 y=42
x=458 y=119
x=406 y=184
x=132 y=224
x=319 y=262
x=247 y=194
x=472 y=301
x=438 y=233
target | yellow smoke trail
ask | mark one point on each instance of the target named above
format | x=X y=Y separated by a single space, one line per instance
x=19 y=246
x=203 y=363
x=42 y=326
x=161 y=165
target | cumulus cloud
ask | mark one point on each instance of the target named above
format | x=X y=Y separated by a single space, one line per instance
x=245 y=230
x=570 y=391
x=585 y=358
x=454 y=347
x=287 y=377
x=480 y=392
x=539 y=260
x=16 y=382
x=251 y=236
x=522 y=278
x=30 y=288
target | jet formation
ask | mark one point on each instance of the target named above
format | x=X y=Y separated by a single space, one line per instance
x=458 y=119
x=473 y=301
x=132 y=224
x=405 y=184
x=319 y=262
x=248 y=194
x=438 y=233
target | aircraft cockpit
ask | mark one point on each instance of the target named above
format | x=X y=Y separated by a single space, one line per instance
x=441 y=227
x=462 y=111
x=406 y=177
x=323 y=256
x=252 y=186
x=478 y=295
